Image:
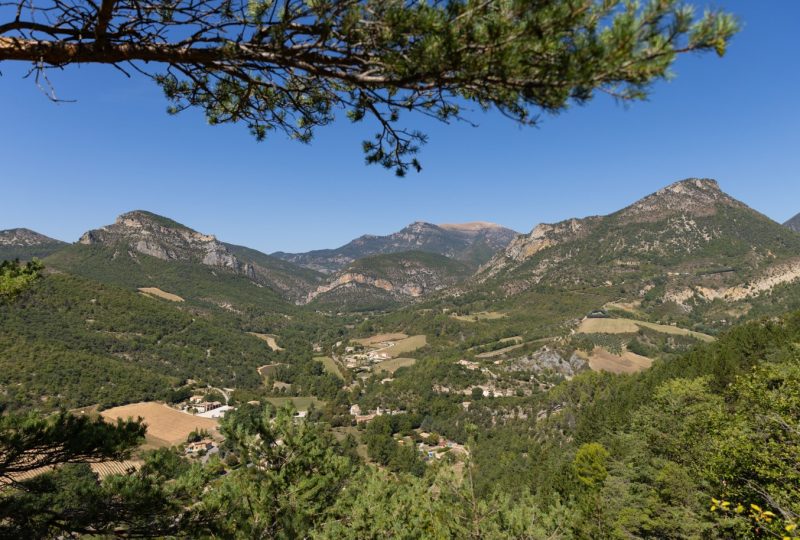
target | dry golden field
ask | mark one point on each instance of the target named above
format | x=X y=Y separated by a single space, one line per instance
x=374 y=340
x=155 y=291
x=630 y=326
x=165 y=426
x=602 y=360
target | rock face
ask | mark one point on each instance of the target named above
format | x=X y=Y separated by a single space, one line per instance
x=686 y=237
x=164 y=239
x=794 y=223
x=547 y=360
x=472 y=243
x=25 y=244
x=397 y=277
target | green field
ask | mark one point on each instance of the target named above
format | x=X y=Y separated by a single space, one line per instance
x=390 y=366
x=330 y=366
x=405 y=346
x=301 y=403
x=499 y=352
x=480 y=316
x=341 y=432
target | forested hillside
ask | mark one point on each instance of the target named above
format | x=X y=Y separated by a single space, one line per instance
x=69 y=341
x=703 y=446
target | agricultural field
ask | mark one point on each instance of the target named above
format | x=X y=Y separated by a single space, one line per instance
x=330 y=366
x=480 y=316
x=380 y=338
x=499 y=352
x=101 y=469
x=390 y=366
x=158 y=293
x=270 y=339
x=301 y=403
x=602 y=360
x=631 y=326
x=165 y=426
x=405 y=346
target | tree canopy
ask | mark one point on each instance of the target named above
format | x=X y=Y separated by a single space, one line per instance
x=291 y=66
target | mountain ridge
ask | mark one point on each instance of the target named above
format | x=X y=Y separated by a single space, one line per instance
x=685 y=245
x=472 y=243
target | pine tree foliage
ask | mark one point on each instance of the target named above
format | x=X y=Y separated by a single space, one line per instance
x=290 y=66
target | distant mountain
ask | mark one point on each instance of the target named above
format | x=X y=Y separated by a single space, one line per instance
x=683 y=246
x=471 y=243
x=381 y=281
x=24 y=244
x=794 y=223
x=142 y=249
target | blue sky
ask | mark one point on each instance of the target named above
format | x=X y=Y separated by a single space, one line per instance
x=70 y=167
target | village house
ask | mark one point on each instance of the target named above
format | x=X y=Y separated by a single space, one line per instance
x=206 y=406
x=195 y=448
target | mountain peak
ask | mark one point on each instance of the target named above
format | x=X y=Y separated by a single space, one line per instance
x=24 y=237
x=692 y=196
x=163 y=238
x=143 y=218
x=21 y=243
x=794 y=223
x=471 y=226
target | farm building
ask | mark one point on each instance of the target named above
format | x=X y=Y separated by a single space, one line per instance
x=195 y=448
x=206 y=406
